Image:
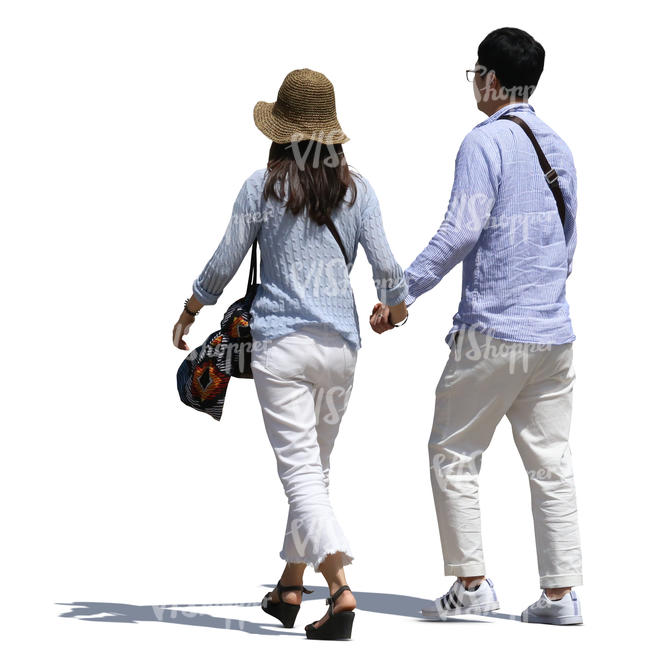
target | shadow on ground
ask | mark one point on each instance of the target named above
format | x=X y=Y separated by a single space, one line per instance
x=379 y=603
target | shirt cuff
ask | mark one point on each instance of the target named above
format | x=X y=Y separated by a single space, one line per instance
x=205 y=297
x=395 y=295
x=409 y=300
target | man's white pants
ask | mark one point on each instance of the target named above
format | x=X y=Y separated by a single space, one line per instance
x=303 y=381
x=484 y=379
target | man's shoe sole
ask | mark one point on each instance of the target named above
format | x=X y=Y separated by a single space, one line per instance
x=459 y=611
x=551 y=620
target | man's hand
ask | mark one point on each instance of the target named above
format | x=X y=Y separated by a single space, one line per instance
x=379 y=318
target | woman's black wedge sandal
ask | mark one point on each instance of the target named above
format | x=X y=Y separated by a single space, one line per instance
x=285 y=612
x=337 y=626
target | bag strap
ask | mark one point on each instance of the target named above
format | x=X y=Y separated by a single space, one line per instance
x=549 y=172
x=335 y=233
x=252 y=271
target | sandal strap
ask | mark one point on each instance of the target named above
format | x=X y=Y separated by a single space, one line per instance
x=332 y=599
x=282 y=588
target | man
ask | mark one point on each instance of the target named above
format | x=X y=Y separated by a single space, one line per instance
x=511 y=339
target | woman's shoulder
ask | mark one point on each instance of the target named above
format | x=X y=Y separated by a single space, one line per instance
x=366 y=196
x=252 y=188
x=255 y=181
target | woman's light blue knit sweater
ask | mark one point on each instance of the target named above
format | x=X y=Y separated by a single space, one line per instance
x=303 y=277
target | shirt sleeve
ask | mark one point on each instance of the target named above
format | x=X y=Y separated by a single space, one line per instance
x=386 y=272
x=241 y=231
x=571 y=202
x=474 y=193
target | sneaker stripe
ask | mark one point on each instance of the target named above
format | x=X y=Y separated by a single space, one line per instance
x=449 y=601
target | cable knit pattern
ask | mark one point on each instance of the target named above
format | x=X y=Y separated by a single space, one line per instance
x=303 y=276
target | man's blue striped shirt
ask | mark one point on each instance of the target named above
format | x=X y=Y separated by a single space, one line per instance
x=502 y=222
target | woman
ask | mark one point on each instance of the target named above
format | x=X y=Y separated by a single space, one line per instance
x=304 y=323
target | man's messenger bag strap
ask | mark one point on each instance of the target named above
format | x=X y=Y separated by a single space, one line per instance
x=549 y=172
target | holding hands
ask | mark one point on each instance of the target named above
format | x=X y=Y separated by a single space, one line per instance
x=385 y=317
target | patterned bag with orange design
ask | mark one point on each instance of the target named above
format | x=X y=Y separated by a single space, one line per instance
x=202 y=379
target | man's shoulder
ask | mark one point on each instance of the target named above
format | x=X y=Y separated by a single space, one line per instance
x=479 y=136
x=478 y=141
x=495 y=131
x=499 y=131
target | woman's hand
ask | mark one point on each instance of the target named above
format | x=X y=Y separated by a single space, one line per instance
x=379 y=318
x=185 y=321
x=181 y=328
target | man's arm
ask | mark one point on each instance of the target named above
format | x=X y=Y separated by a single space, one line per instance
x=474 y=192
x=571 y=202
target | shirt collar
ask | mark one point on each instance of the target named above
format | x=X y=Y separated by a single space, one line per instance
x=508 y=108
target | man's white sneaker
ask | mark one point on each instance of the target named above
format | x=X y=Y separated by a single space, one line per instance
x=459 y=600
x=565 y=611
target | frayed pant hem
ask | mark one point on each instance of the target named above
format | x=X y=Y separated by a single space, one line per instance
x=315 y=562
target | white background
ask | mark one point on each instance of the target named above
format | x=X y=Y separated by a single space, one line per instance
x=127 y=132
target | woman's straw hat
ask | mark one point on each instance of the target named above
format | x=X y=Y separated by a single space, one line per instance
x=305 y=110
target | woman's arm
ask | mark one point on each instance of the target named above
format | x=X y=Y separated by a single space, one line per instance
x=386 y=272
x=242 y=229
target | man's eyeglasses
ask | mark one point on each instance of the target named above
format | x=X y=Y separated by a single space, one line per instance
x=470 y=74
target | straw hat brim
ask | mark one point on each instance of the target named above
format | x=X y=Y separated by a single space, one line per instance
x=280 y=130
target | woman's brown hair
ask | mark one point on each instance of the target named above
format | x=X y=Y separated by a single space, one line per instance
x=318 y=177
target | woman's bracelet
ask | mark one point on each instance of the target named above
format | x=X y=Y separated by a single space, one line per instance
x=191 y=313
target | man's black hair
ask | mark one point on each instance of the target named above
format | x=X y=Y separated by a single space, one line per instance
x=516 y=58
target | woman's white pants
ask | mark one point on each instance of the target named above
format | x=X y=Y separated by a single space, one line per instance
x=303 y=382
